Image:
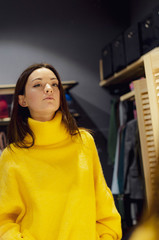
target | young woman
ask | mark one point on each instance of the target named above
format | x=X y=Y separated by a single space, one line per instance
x=51 y=181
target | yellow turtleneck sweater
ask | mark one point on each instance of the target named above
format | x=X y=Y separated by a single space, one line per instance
x=56 y=189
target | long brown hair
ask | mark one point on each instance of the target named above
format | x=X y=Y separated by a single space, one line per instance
x=18 y=127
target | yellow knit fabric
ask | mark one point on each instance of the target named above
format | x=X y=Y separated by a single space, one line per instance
x=56 y=189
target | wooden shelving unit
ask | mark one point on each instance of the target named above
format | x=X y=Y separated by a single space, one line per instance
x=127 y=96
x=4 y=121
x=67 y=85
x=7 y=89
x=133 y=71
x=145 y=76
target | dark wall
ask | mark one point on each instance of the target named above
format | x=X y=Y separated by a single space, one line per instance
x=139 y=9
x=70 y=35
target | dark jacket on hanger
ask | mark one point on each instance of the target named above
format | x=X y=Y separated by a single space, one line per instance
x=133 y=177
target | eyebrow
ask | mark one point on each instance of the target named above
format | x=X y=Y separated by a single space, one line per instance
x=38 y=78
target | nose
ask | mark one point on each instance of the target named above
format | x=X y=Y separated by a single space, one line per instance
x=48 y=88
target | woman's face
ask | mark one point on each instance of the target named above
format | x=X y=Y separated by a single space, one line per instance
x=42 y=94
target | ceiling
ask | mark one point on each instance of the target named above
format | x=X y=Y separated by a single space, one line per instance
x=71 y=11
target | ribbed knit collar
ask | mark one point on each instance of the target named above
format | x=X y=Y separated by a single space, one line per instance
x=49 y=132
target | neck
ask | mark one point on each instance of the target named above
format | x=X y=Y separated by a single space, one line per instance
x=48 y=132
x=43 y=118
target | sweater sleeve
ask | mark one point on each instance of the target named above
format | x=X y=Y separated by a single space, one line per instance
x=108 y=221
x=12 y=207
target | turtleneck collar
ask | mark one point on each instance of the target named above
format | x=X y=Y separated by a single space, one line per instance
x=49 y=132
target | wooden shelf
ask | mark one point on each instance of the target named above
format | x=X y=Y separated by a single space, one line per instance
x=130 y=73
x=67 y=85
x=7 y=89
x=4 y=121
x=127 y=96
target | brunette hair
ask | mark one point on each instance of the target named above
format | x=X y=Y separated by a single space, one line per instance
x=18 y=127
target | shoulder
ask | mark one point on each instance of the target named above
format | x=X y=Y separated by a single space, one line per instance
x=6 y=153
x=6 y=156
x=86 y=135
x=87 y=139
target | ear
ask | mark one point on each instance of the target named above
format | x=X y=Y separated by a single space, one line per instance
x=22 y=101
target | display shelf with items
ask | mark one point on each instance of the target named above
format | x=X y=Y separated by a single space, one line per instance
x=145 y=76
x=133 y=71
x=6 y=99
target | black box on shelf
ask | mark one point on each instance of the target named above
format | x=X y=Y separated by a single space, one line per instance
x=156 y=21
x=132 y=43
x=107 y=61
x=118 y=53
x=149 y=32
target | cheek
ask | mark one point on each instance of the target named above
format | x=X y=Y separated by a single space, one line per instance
x=58 y=99
x=32 y=97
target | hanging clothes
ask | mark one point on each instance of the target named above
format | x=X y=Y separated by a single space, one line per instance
x=128 y=181
x=112 y=134
x=133 y=177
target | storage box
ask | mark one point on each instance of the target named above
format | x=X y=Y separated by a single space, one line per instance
x=132 y=42
x=156 y=22
x=107 y=61
x=149 y=32
x=118 y=53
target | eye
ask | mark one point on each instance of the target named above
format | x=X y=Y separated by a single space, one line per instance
x=37 y=85
x=55 y=85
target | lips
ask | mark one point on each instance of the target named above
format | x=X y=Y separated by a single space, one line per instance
x=49 y=98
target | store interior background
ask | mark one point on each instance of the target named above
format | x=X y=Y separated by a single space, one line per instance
x=70 y=35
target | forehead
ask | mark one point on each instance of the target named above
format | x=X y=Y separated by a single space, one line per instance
x=41 y=73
